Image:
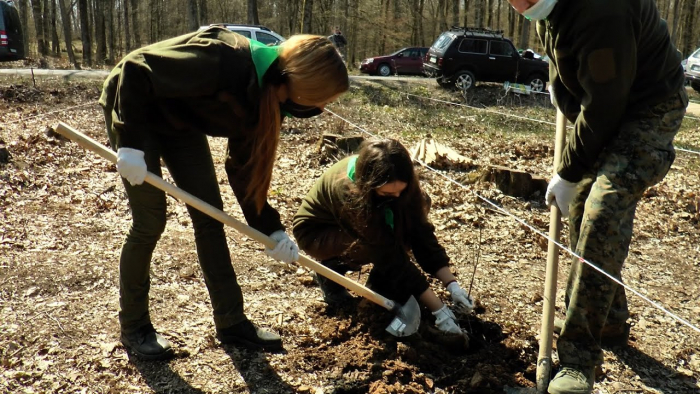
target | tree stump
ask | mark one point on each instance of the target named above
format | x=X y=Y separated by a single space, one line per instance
x=514 y=182
x=338 y=146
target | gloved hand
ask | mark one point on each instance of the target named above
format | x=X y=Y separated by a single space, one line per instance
x=131 y=165
x=286 y=250
x=552 y=99
x=446 y=321
x=562 y=191
x=460 y=297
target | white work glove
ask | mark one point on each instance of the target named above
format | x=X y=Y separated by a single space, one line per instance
x=131 y=165
x=446 y=321
x=562 y=191
x=286 y=250
x=550 y=88
x=460 y=297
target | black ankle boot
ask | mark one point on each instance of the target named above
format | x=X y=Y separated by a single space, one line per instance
x=333 y=293
x=247 y=335
x=145 y=343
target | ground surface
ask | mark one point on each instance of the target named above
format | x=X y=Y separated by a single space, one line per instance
x=64 y=216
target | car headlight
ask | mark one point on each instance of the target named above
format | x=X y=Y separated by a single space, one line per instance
x=368 y=61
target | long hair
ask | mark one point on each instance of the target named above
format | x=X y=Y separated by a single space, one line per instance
x=379 y=163
x=313 y=68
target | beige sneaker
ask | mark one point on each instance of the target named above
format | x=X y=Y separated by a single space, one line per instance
x=571 y=380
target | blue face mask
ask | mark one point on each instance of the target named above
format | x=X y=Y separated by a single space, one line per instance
x=540 y=10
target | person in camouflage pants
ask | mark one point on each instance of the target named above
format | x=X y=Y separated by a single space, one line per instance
x=601 y=218
x=615 y=74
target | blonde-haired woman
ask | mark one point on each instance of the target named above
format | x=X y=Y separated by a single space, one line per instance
x=161 y=102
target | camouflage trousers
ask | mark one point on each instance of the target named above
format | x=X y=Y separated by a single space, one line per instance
x=600 y=222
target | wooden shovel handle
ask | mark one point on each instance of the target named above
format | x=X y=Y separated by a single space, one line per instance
x=90 y=144
x=544 y=359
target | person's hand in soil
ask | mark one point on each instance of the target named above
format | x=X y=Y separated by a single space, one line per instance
x=463 y=301
x=446 y=321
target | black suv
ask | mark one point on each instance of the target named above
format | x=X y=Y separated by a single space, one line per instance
x=462 y=56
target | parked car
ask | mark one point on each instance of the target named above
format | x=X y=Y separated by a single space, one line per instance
x=11 y=39
x=692 y=70
x=255 y=32
x=462 y=56
x=403 y=61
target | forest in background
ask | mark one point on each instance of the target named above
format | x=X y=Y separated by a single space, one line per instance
x=102 y=31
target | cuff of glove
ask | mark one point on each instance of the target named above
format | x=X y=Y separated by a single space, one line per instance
x=452 y=286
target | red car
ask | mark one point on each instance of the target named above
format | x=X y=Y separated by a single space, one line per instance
x=403 y=61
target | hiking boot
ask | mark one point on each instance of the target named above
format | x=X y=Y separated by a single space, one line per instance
x=145 y=343
x=333 y=293
x=247 y=335
x=572 y=380
x=611 y=336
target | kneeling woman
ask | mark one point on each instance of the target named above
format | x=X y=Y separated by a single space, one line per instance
x=369 y=208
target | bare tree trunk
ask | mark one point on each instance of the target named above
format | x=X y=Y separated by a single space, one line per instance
x=421 y=7
x=415 y=18
x=479 y=13
x=100 y=40
x=127 y=31
x=24 y=19
x=524 y=41
x=46 y=25
x=442 y=18
x=68 y=32
x=39 y=27
x=676 y=25
x=111 y=41
x=253 y=12
x=308 y=16
x=203 y=13
x=489 y=12
x=192 y=15
x=466 y=13
x=55 y=42
x=512 y=15
x=455 y=12
x=498 y=16
x=690 y=12
x=135 y=29
x=85 y=32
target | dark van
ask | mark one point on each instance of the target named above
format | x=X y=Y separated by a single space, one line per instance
x=11 y=40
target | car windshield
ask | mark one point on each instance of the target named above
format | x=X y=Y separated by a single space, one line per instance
x=696 y=54
x=442 y=42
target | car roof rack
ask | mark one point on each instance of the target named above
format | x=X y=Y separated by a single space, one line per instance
x=261 y=27
x=479 y=31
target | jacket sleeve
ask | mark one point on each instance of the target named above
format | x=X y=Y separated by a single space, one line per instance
x=606 y=70
x=429 y=254
x=187 y=70
x=267 y=221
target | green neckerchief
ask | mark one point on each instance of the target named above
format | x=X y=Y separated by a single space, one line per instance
x=388 y=213
x=263 y=56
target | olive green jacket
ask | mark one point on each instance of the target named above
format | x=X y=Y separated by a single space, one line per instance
x=609 y=60
x=323 y=207
x=203 y=82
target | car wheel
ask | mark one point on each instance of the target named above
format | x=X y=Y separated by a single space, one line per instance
x=384 y=70
x=464 y=80
x=695 y=85
x=536 y=83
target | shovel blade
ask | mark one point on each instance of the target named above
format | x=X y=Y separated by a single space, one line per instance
x=406 y=320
